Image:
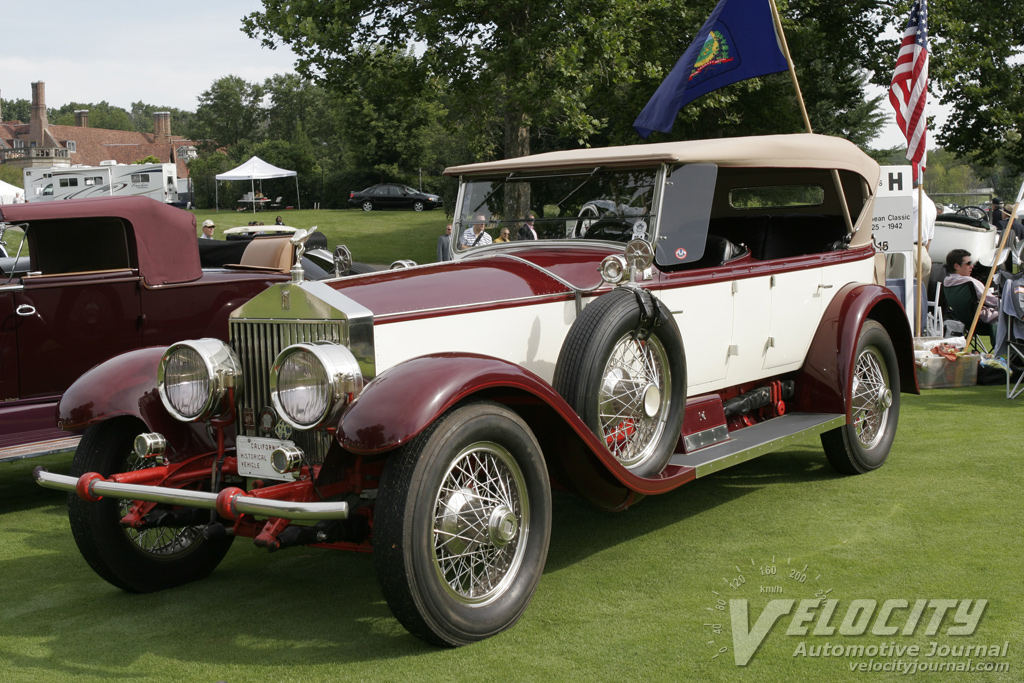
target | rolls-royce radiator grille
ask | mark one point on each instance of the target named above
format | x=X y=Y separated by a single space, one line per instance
x=257 y=344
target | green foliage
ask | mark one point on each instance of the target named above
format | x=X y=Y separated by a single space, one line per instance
x=148 y=160
x=11 y=175
x=15 y=110
x=101 y=115
x=183 y=122
x=202 y=170
x=230 y=111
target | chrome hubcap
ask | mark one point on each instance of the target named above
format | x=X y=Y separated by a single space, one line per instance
x=871 y=398
x=633 y=399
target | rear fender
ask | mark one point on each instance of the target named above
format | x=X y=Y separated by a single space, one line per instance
x=405 y=399
x=126 y=385
x=823 y=384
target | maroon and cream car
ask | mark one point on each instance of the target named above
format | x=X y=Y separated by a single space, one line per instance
x=674 y=309
x=86 y=280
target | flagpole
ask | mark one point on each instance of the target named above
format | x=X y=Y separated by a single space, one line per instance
x=920 y=249
x=789 y=60
x=781 y=33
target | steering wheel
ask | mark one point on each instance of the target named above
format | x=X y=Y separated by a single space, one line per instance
x=973 y=212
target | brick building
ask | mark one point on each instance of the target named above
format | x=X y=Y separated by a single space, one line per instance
x=39 y=143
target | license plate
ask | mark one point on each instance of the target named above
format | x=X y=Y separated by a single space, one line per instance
x=253 y=453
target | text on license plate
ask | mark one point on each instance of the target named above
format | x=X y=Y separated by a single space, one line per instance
x=253 y=453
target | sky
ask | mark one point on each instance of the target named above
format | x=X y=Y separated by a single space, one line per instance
x=166 y=55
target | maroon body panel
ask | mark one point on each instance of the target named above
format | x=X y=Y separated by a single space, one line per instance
x=126 y=386
x=823 y=382
x=484 y=283
x=55 y=327
x=164 y=235
x=405 y=399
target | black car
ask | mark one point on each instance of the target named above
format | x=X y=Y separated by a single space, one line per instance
x=393 y=196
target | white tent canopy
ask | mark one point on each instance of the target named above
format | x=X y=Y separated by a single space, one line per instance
x=256 y=169
x=8 y=192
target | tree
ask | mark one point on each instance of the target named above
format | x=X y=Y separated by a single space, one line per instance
x=231 y=111
x=15 y=110
x=975 y=49
x=101 y=115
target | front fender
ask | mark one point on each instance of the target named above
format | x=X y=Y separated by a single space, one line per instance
x=126 y=385
x=823 y=383
x=405 y=399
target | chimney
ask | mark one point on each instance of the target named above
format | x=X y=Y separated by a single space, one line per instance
x=162 y=127
x=82 y=118
x=38 y=124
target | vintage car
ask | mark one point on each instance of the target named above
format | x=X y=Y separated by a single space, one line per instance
x=425 y=413
x=96 y=278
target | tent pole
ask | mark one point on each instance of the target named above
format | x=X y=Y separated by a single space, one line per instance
x=298 y=199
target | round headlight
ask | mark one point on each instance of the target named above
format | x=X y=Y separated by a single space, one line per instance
x=194 y=376
x=311 y=381
x=613 y=269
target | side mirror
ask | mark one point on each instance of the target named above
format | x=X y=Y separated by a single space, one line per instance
x=342 y=260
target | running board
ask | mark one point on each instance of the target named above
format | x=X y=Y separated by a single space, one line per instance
x=756 y=440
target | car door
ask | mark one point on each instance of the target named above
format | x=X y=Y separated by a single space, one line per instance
x=70 y=322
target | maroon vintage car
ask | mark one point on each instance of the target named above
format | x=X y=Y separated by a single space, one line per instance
x=95 y=278
x=661 y=313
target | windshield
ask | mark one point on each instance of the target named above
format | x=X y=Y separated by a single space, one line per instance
x=594 y=204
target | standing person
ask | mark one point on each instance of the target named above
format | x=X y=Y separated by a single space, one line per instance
x=1000 y=217
x=504 y=236
x=208 y=227
x=444 y=245
x=279 y=221
x=526 y=230
x=928 y=216
x=475 y=235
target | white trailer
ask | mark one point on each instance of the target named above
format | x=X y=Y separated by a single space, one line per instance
x=159 y=181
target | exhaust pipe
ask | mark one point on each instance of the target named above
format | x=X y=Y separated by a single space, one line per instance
x=230 y=503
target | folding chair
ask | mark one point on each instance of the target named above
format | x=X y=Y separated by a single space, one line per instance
x=1012 y=311
x=962 y=302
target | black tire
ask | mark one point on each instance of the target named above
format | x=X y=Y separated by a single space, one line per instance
x=864 y=444
x=139 y=562
x=478 y=471
x=417 y=205
x=598 y=374
x=367 y=205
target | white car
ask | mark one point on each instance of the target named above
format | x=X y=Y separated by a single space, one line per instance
x=423 y=413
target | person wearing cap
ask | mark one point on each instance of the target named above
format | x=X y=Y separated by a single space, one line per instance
x=208 y=227
x=1000 y=217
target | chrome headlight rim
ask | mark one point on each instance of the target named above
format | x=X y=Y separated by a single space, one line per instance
x=614 y=269
x=344 y=381
x=223 y=371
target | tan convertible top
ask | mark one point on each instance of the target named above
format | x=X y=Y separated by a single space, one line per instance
x=765 y=151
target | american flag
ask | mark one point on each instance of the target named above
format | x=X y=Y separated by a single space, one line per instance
x=909 y=88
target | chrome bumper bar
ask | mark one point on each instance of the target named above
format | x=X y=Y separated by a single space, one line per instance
x=229 y=502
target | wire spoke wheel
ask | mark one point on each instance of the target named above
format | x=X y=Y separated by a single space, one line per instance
x=633 y=398
x=461 y=525
x=873 y=401
x=871 y=396
x=481 y=523
x=158 y=540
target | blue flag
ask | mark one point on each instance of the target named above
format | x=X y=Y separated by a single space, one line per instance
x=737 y=42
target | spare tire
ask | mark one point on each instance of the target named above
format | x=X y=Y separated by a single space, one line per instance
x=622 y=368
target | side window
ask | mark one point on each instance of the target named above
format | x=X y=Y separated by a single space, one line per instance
x=685 y=215
x=79 y=246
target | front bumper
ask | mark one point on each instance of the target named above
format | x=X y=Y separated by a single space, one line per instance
x=230 y=503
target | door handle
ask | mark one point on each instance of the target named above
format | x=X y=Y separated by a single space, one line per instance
x=824 y=286
x=25 y=310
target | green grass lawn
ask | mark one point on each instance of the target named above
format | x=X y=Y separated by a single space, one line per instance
x=373 y=236
x=624 y=597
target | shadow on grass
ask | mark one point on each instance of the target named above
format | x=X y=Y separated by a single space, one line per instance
x=286 y=609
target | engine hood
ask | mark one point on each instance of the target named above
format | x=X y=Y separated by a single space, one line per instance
x=484 y=280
